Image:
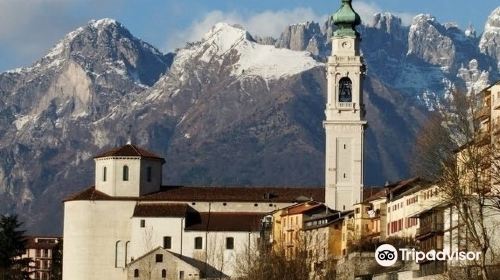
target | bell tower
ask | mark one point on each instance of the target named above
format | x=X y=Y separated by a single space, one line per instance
x=345 y=115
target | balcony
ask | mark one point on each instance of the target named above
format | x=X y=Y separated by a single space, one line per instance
x=483 y=137
x=350 y=225
x=482 y=113
x=429 y=229
x=346 y=105
x=495 y=126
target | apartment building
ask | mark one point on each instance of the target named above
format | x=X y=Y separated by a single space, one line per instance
x=42 y=251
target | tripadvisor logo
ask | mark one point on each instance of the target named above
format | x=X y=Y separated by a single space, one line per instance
x=387 y=255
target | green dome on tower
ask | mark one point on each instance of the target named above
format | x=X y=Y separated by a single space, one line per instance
x=346 y=19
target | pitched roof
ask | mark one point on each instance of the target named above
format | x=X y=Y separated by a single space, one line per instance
x=129 y=150
x=224 y=221
x=302 y=208
x=205 y=269
x=405 y=187
x=239 y=194
x=207 y=194
x=88 y=194
x=160 y=210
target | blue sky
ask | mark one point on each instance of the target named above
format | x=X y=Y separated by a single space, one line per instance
x=29 y=28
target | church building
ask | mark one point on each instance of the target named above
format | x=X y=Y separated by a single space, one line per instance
x=129 y=226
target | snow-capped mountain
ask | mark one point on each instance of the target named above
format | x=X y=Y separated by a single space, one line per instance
x=49 y=111
x=490 y=40
x=231 y=109
x=423 y=60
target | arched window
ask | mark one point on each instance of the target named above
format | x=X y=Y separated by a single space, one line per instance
x=120 y=254
x=104 y=171
x=125 y=173
x=148 y=173
x=164 y=273
x=345 y=90
x=136 y=273
x=198 y=243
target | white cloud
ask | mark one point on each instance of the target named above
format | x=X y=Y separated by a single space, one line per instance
x=267 y=23
x=29 y=28
x=24 y=24
x=367 y=10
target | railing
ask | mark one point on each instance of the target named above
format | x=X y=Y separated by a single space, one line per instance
x=430 y=228
x=345 y=105
x=482 y=112
x=495 y=126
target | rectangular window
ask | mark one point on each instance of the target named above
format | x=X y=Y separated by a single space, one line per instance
x=148 y=173
x=198 y=243
x=181 y=275
x=167 y=242
x=229 y=243
x=143 y=223
x=159 y=258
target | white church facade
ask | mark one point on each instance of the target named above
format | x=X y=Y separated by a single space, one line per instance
x=128 y=225
x=128 y=213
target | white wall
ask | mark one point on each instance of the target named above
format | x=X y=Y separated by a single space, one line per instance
x=137 y=183
x=344 y=125
x=151 y=236
x=91 y=230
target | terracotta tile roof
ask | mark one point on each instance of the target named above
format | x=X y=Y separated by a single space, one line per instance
x=403 y=186
x=374 y=194
x=302 y=208
x=239 y=194
x=206 y=270
x=207 y=194
x=224 y=221
x=89 y=194
x=161 y=210
x=129 y=150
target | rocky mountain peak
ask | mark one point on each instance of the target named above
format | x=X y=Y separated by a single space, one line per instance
x=429 y=41
x=490 y=40
x=104 y=23
x=388 y=23
x=303 y=36
x=106 y=46
x=230 y=45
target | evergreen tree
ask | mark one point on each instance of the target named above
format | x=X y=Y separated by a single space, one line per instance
x=12 y=246
x=56 y=268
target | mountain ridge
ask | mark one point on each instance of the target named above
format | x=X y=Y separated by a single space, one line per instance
x=222 y=118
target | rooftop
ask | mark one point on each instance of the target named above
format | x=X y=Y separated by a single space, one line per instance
x=224 y=221
x=129 y=150
x=210 y=194
x=161 y=210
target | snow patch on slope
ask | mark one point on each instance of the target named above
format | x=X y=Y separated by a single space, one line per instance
x=255 y=59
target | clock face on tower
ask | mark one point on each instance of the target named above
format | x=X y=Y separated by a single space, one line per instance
x=345 y=90
x=346 y=44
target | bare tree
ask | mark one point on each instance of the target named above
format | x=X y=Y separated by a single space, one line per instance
x=147 y=265
x=215 y=252
x=307 y=259
x=457 y=150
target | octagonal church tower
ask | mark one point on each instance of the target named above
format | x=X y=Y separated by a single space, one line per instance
x=345 y=115
x=128 y=171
